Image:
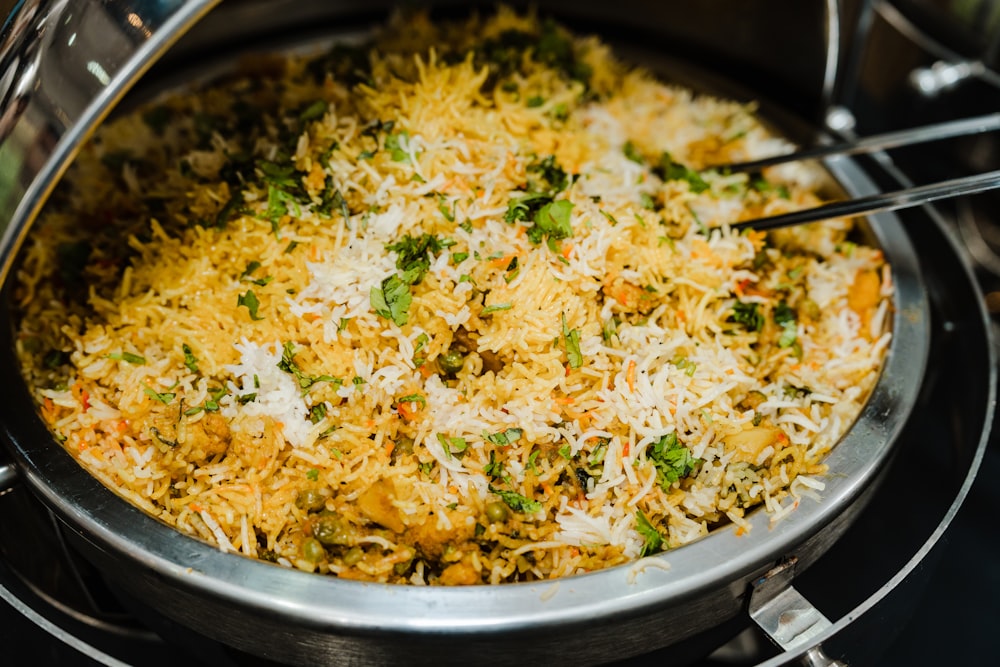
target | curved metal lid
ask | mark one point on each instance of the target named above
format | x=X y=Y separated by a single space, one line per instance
x=63 y=66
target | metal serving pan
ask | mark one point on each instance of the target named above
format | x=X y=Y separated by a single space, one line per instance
x=64 y=66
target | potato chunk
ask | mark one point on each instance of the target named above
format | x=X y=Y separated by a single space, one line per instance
x=747 y=445
x=376 y=504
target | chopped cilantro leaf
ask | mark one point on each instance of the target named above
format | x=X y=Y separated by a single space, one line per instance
x=669 y=170
x=763 y=186
x=532 y=458
x=189 y=359
x=551 y=221
x=545 y=176
x=392 y=299
x=494 y=468
x=452 y=446
x=397 y=145
x=571 y=338
x=784 y=316
x=164 y=398
x=672 y=460
x=314 y=111
x=413 y=253
x=504 y=438
x=516 y=501
x=783 y=313
x=134 y=359
x=288 y=365
x=652 y=540
x=249 y=299
x=631 y=152
x=747 y=314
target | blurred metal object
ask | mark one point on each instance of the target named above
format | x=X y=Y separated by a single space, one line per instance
x=943 y=76
x=63 y=66
x=877 y=203
x=880 y=142
x=782 y=612
x=951 y=68
x=8 y=477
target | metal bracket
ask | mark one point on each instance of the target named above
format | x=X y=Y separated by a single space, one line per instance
x=788 y=618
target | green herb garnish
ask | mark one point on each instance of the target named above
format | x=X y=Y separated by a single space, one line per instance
x=672 y=460
x=516 y=501
x=571 y=338
x=249 y=299
x=652 y=540
x=392 y=299
x=453 y=446
x=504 y=438
x=669 y=170
x=134 y=359
x=189 y=359
x=747 y=314
x=165 y=398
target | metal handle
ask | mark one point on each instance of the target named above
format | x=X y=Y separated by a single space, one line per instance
x=887 y=201
x=880 y=142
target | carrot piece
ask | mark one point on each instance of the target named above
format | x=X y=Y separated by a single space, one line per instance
x=406 y=410
x=502 y=262
x=630 y=375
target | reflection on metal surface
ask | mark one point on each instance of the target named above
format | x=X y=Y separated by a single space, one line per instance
x=943 y=76
x=894 y=17
x=63 y=65
x=790 y=620
x=8 y=477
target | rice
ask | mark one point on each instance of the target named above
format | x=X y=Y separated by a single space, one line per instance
x=458 y=306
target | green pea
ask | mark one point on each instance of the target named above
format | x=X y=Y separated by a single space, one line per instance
x=404 y=445
x=310 y=500
x=312 y=550
x=331 y=531
x=496 y=511
x=451 y=362
x=353 y=555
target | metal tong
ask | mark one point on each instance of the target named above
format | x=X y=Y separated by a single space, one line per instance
x=887 y=201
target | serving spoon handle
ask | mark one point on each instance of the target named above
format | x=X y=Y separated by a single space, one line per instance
x=877 y=203
x=908 y=137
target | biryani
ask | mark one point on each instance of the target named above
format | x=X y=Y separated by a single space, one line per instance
x=460 y=304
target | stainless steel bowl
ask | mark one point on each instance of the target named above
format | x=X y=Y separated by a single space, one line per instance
x=64 y=68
